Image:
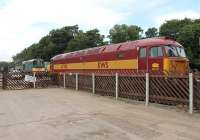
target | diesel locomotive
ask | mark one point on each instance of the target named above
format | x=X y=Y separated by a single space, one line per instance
x=160 y=54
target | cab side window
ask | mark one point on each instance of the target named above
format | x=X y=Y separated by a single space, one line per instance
x=156 y=52
x=143 y=52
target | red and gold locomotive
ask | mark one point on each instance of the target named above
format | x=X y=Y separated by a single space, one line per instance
x=159 y=54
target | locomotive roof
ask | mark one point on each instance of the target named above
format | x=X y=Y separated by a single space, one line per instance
x=31 y=60
x=118 y=47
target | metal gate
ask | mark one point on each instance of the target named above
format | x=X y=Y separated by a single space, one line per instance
x=15 y=80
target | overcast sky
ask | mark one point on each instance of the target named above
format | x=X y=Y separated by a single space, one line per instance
x=24 y=22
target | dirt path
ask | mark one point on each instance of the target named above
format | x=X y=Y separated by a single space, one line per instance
x=58 y=114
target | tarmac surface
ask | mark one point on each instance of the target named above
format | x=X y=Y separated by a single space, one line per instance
x=60 y=114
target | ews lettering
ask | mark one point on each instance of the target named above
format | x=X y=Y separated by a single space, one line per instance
x=103 y=65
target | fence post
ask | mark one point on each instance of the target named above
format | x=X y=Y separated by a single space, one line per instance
x=76 y=81
x=93 y=83
x=147 y=90
x=117 y=86
x=5 y=80
x=191 y=93
x=64 y=80
x=34 y=80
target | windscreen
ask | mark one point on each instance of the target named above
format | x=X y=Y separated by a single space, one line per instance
x=181 y=51
x=175 y=51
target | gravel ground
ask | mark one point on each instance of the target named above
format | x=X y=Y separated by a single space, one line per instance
x=59 y=114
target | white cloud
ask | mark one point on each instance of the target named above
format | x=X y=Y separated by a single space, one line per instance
x=176 y=15
x=24 y=22
x=153 y=4
x=19 y=16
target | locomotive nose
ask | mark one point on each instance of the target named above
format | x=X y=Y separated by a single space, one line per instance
x=176 y=65
x=179 y=66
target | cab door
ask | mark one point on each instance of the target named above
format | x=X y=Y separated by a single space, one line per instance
x=142 y=59
x=155 y=62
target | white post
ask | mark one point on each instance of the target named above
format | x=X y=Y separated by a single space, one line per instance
x=34 y=80
x=76 y=81
x=191 y=93
x=117 y=86
x=64 y=80
x=93 y=83
x=147 y=90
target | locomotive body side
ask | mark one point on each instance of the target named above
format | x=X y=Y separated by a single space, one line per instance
x=97 y=59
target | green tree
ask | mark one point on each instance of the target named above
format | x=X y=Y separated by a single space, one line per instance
x=85 y=40
x=151 y=32
x=50 y=45
x=4 y=66
x=123 y=33
x=189 y=38
x=173 y=27
x=187 y=32
x=27 y=53
x=68 y=39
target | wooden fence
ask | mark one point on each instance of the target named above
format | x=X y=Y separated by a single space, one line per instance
x=170 y=90
x=70 y=81
x=1 y=80
x=45 y=80
x=132 y=87
x=85 y=82
x=197 y=90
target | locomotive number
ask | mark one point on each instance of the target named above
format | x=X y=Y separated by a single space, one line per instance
x=155 y=66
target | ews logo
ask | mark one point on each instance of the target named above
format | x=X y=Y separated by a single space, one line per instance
x=103 y=65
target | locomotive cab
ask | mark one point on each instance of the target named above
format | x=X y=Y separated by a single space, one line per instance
x=167 y=59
